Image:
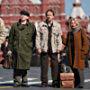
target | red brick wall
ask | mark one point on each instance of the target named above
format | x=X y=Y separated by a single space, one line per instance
x=10 y=9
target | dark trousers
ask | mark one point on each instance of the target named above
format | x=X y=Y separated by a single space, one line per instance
x=76 y=76
x=44 y=66
x=20 y=76
x=79 y=77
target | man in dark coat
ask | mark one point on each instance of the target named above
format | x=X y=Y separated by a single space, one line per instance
x=21 y=43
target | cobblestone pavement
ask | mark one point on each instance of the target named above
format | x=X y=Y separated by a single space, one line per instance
x=6 y=80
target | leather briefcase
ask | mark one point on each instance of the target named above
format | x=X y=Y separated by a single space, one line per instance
x=67 y=80
x=67 y=76
x=67 y=84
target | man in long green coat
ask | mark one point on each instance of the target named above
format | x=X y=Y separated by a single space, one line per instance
x=21 y=43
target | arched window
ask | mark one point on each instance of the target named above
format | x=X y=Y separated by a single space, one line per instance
x=17 y=10
x=88 y=28
x=36 y=10
x=8 y=8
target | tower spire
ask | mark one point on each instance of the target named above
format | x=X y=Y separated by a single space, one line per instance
x=77 y=9
x=77 y=1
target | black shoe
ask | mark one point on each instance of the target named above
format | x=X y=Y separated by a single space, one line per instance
x=25 y=84
x=55 y=85
x=80 y=86
x=44 y=85
x=17 y=85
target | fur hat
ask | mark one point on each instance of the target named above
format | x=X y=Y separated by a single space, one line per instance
x=23 y=12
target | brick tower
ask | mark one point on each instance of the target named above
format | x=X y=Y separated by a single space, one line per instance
x=9 y=10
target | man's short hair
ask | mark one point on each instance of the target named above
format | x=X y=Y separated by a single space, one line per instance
x=50 y=10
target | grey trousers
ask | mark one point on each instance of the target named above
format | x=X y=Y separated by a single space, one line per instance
x=81 y=74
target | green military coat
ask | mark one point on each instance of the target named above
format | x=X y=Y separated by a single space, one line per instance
x=21 y=43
